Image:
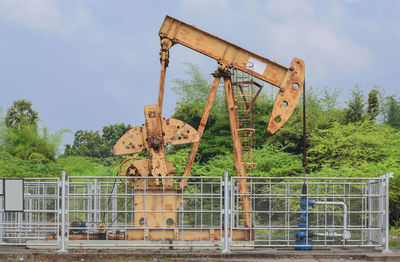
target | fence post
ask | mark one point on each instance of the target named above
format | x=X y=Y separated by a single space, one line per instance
x=387 y=178
x=63 y=193
x=226 y=213
x=1 y=220
x=114 y=205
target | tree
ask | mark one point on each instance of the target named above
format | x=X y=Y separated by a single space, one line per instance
x=392 y=111
x=355 y=105
x=88 y=143
x=350 y=145
x=290 y=136
x=373 y=104
x=329 y=97
x=112 y=133
x=194 y=90
x=3 y=130
x=21 y=112
x=262 y=108
x=216 y=140
x=22 y=138
x=192 y=95
x=191 y=114
x=27 y=143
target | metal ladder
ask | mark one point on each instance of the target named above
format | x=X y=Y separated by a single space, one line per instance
x=244 y=92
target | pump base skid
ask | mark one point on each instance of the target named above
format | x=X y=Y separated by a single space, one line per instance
x=164 y=234
x=136 y=245
x=185 y=234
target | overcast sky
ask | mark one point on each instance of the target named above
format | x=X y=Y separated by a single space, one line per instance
x=89 y=63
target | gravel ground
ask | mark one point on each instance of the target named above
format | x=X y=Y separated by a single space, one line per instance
x=14 y=254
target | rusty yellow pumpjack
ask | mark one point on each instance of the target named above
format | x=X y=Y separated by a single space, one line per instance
x=158 y=193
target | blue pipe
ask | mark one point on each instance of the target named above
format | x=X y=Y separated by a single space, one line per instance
x=303 y=241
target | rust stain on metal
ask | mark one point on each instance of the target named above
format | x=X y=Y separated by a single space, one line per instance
x=288 y=97
x=157 y=132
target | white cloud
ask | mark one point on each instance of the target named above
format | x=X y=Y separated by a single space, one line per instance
x=315 y=38
x=289 y=9
x=287 y=28
x=318 y=45
x=205 y=5
x=44 y=15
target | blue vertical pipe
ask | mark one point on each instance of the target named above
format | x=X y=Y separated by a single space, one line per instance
x=303 y=241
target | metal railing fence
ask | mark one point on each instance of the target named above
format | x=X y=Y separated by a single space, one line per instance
x=40 y=216
x=339 y=211
x=106 y=212
x=110 y=208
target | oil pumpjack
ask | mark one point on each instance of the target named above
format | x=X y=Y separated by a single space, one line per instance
x=158 y=192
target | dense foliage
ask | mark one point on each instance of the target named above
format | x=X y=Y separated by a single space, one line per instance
x=92 y=144
x=360 y=139
x=392 y=111
x=88 y=143
x=22 y=138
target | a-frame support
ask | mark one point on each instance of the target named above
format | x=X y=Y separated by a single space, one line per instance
x=237 y=145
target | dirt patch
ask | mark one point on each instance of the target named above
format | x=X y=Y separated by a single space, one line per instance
x=11 y=254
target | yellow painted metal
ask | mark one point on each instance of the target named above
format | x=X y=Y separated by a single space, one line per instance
x=176 y=132
x=157 y=132
x=148 y=200
x=233 y=56
x=238 y=153
x=200 y=129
